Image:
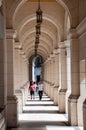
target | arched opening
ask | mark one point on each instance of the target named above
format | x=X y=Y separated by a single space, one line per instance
x=37 y=69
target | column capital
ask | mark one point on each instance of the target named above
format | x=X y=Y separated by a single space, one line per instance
x=73 y=98
x=48 y=59
x=21 y=52
x=67 y=43
x=56 y=51
x=17 y=45
x=52 y=55
x=10 y=33
x=62 y=45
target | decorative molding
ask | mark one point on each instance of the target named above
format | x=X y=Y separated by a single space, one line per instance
x=56 y=86
x=56 y=51
x=73 y=98
x=18 y=91
x=63 y=91
x=10 y=33
x=52 y=55
x=22 y=52
x=62 y=45
x=12 y=99
x=17 y=45
x=67 y=43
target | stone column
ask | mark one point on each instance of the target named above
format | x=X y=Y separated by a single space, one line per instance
x=49 y=77
x=84 y=114
x=63 y=78
x=12 y=118
x=17 y=81
x=75 y=85
x=3 y=89
x=46 y=76
x=67 y=44
x=52 y=75
x=56 y=76
x=16 y=69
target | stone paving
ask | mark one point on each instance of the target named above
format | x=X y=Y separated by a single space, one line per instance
x=43 y=115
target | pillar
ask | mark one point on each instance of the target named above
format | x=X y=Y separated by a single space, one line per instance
x=52 y=76
x=75 y=86
x=3 y=89
x=12 y=118
x=47 y=88
x=68 y=57
x=56 y=76
x=63 y=78
x=49 y=76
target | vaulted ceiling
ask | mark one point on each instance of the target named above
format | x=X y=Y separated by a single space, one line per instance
x=21 y=17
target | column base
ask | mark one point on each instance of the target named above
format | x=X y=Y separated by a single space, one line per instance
x=12 y=113
x=72 y=110
x=84 y=114
x=56 y=95
x=62 y=102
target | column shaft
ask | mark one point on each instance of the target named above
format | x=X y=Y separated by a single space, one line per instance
x=75 y=87
x=12 y=118
x=63 y=80
x=56 y=76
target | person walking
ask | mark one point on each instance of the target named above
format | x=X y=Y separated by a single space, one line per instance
x=40 y=89
x=35 y=87
x=32 y=90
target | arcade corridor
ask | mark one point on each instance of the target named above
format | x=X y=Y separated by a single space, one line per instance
x=43 y=39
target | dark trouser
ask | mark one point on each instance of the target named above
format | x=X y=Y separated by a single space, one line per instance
x=40 y=94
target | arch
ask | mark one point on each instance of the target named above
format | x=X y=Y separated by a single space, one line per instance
x=42 y=43
x=45 y=17
x=31 y=48
x=40 y=52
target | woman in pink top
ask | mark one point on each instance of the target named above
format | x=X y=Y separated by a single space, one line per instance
x=32 y=90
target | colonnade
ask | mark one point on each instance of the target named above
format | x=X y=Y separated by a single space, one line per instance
x=62 y=79
x=16 y=78
x=64 y=74
x=55 y=76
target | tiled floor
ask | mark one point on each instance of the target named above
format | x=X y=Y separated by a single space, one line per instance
x=43 y=115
